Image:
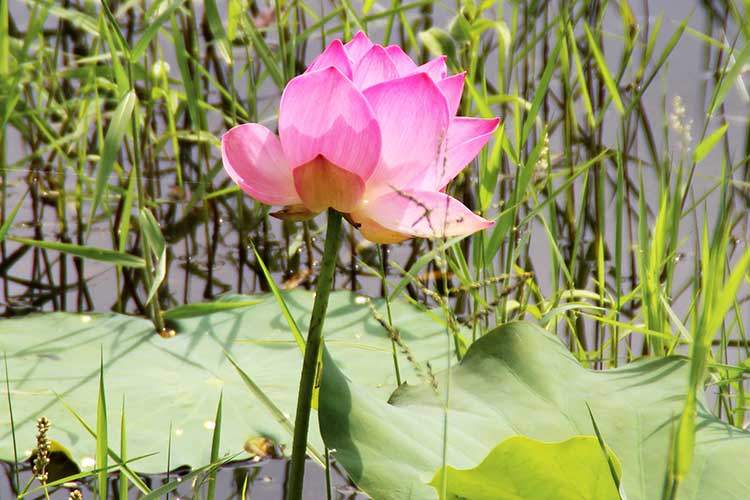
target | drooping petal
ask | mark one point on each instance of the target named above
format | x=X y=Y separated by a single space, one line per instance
x=404 y=64
x=322 y=113
x=466 y=137
x=452 y=88
x=295 y=213
x=436 y=68
x=424 y=214
x=374 y=67
x=358 y=47
x=253 y=158
x=376 y=233
x=321 y=184
x=333 y=56
x=413 y=118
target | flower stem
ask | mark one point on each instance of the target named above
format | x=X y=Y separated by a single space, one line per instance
x=312 y=350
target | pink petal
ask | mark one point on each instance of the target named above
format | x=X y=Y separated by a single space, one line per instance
x=333 y=56
x=404 y=64
x=253 y=158
x=358 y=47
x=424 y=214
x=436 y=68
x=374 y=67
x=466 y=137
x=452 y=88
x=321 y=184
x=413 y=118
x=322 y=113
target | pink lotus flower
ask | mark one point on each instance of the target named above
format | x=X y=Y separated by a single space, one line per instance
x=369 y=133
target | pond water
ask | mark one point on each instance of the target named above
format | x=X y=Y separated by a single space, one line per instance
x=209 y=250
x=264 y=479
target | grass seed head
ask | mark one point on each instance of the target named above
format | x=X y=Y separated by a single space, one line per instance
x=43 y=445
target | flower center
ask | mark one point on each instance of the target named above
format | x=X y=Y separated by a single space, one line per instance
x=322 y=184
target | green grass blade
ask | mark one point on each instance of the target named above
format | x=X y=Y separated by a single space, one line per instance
x=4 y=39
x=203 y=308
x=152 y=28
x=730 y=77
x=115 y=25
x=12 y=216
x=580 y=77
x=123 y=479
x=728 y=295
x=265 y=54
x=164 y=490
x=85 y=252
x=508 y=216
x=118 y=71
x=489 y=172
x=134 y=478
x=169 y=457
x=707 y=144
x=215 y=447
x=298 y=338
x=101 y=436
x=127 y=207
x=601 y=63
x=541 y=90
x=77 y=18
x=268 y=403
x=192 y=95
x=81 y=475
x=420 y=263
x=112 y=142
x=12 y=424
x=612 y=466
x=281 y=418
x=155 y=240
x=671 y=44
x=217 y=30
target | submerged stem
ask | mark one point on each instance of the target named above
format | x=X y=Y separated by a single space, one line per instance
x=312 y=351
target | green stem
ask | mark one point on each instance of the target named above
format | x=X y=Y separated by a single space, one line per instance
x=312 y=351
x=394 y=353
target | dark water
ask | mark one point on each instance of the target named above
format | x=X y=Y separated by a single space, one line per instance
x=209 y=252
x=259 y=479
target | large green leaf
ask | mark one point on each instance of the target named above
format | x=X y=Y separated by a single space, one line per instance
x=520 y=380
x=178 y=380
x=524 y=468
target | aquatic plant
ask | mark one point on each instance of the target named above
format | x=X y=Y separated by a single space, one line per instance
x=617 y=181
x=367 y=133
